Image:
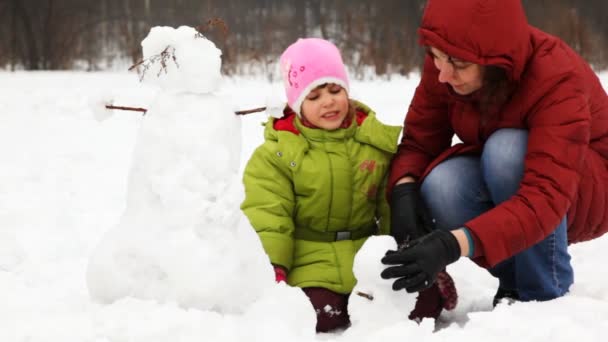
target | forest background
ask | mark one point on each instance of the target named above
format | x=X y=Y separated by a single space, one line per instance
x=376 y=37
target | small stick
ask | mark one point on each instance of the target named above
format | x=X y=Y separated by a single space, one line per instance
x=364 y=295
x=250 y=111
x=134 y=109
x=144 y=110
x=137 y=64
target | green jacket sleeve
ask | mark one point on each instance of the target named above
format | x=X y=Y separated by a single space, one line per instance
x=269 y=204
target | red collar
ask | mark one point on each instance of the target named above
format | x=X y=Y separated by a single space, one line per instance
x=286 y=122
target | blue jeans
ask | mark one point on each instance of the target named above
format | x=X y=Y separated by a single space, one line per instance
x=463 y=187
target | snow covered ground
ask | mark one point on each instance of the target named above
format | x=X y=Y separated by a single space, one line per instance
x=63 y=185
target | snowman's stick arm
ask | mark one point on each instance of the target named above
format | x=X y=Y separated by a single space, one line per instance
x=144 y=110
x=133 y=109
x=250 y=111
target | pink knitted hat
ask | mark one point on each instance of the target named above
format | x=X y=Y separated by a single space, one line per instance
x=307 y=64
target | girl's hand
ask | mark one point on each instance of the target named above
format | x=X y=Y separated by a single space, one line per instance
x=280 y=274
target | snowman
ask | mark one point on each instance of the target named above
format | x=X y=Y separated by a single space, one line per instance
x=182 y=237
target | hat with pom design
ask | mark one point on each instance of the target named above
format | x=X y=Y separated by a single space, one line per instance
x=307 y=64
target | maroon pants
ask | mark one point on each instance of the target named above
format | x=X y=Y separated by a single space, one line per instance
x=332 y=307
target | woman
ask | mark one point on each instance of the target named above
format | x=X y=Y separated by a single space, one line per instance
x=530 y=175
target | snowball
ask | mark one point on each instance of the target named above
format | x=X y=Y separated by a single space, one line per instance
x=387 y=306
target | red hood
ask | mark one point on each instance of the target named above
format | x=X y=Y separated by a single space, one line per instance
x=486 y=32
x=286 y=122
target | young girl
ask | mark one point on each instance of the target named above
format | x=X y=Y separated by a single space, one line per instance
x=315 y=188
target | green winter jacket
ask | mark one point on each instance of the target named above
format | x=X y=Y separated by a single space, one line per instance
x=303 y=185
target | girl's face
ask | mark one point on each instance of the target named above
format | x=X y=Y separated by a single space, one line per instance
x=326 y=106
x=464 y=77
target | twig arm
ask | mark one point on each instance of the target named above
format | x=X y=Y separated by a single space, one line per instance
x=250 y=111
x=144 y=110
x=134 y=109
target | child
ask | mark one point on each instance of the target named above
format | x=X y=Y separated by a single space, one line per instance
x=315 y=188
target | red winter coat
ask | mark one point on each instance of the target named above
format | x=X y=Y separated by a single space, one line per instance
x=558 y=99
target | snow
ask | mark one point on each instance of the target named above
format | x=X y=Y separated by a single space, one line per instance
x=66 y=188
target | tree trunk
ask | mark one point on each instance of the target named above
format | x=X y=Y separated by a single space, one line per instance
x=13 y=42
x=32 y=60
x=48 y=60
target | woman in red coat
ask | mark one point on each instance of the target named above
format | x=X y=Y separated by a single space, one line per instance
x=531 y=173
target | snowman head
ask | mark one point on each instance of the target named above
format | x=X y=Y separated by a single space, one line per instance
x=181 y=60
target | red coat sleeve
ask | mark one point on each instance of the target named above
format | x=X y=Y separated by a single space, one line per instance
x=427 y=131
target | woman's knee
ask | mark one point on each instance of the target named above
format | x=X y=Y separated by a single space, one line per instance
x=502 y=159
x=454 y=193
x=433 y=181
x=446 y=180
x=507 y=146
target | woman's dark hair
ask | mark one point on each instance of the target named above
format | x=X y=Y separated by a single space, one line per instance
x=496 y=91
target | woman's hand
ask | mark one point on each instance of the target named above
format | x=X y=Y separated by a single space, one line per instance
x=416 y=265
x=410 y=218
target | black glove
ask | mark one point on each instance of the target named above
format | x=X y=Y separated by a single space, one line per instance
x=410 y=218
x=419 y=263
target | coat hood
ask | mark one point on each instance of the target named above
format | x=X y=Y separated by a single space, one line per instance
x=486 y=32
